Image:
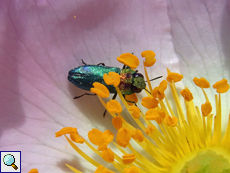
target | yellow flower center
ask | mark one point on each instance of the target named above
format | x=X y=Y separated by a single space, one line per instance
x=169 y=139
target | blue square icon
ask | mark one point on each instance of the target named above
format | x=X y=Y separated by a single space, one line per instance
x=10 y=161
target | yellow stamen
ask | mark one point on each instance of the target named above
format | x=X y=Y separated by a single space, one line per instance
x=150 y=129
x=149 y=58
x=137 y=135
x=206 y=109
x=85 y=156
x=66 y=130
x=73 y=169
x=117 y=122
x=187 y=94
x=34 y=170
x=112 y=78
x=77 y=138
x=108 y=136
x=149 y=102
x=132 y=98
x=128 y=158
x=226 y=139
x=171 y=121
x=123 y=137
x=108 y=155
x=181 y=115
x=95 y=136
x=100 y=89
x=129 y=59
x=173 y=77
x=202 y=82
x=135 y=111
x=158 y=92
x=100 y=139
x=147 y=78
x=102 y=169
x=182 y=134
x=161 y=113
x=132 y=169
x=163 y=85
x=221 y=86
x=113 y=106
x=127 y=107
x=153 y=114
x=216 y=138
x=73 y=134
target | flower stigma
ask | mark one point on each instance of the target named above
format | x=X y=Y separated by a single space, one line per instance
x=185 y=141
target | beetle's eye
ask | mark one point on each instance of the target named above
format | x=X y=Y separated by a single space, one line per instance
x=138 y=75
x=135 y=89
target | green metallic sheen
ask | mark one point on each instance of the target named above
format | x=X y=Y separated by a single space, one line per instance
x=126 y=81
x=139 y=82
x=84 y=76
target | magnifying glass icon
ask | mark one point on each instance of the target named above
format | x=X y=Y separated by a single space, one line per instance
x=9 y=160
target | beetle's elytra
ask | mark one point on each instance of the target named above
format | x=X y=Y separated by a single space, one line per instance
x=84 y=76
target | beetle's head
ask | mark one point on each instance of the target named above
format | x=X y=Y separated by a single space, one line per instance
x=138 y=83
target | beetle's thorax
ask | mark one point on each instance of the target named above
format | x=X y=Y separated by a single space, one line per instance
x=126 y=79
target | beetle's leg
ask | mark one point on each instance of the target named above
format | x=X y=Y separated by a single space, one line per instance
x=113 y=98
x=128 y=100
x=83 y=62
x=124 y=67
x=104 y=113
x=89 y=94
x=101 y=64
x=127 y=67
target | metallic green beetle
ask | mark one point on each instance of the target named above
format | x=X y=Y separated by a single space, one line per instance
x=84 y=76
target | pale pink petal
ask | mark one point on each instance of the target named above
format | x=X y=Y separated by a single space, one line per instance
x=42 y=40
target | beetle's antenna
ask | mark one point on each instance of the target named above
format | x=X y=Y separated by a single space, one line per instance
x=155 y=78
